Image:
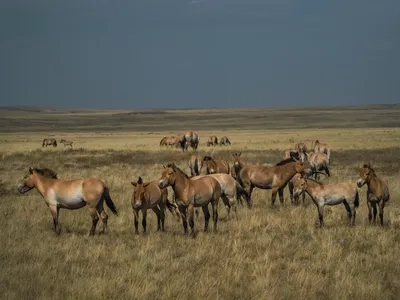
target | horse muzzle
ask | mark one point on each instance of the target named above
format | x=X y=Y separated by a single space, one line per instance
x=138 y=204
x=162 y=184
x=23 y=188
x=360 y=182
x=297 y=193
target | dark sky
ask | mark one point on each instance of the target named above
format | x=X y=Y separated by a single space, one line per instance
x=199 y=53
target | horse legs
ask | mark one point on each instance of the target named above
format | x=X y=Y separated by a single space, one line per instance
x=321 y=214
x=54 y=209
x=227 y=204
x=191 y=218
x=206 y=213
x=273 y=196
x=214 y=205
x=157 y=212
x=280 y=193
x=369 y=212
x=95 y=219
x=144 y=219
x=291 y=188
x=351 y=212
x=374 y=210
x=381 y=207
x=182 y=210
x=136 y=221
x=104 y=217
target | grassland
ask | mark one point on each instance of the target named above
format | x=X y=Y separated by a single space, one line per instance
x=265 y=254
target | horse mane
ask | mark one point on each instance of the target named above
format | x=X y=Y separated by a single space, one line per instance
x=369 y=167
x=46 y=173
x=285 y=161
x=205 y=158
x=176 y=169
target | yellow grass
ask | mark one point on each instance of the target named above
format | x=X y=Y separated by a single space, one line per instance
x=265 y=254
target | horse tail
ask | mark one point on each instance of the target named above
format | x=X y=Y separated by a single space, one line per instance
x=356 y=200
x=173 y=208
x=109 y=202
x=241 y=191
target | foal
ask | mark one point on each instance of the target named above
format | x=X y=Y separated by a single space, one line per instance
x=378 y=191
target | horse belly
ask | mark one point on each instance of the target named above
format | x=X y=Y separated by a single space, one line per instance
x=334 y=200
x=72 y=203
x=201 y=201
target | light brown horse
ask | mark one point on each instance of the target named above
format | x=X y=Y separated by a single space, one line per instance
x=195 y=141
x=195 y=164
x=224 y=141
x=170 y=141
x=192 y=193
x=270 y=177
x=149 y=196
x=295 y=198
x=212 y=141
x=49 y=142
x=318 y=162
x=70 y=194
x=213 y=165
x=322 y=148
x=329 y=194
x=186 y=140
x=301 y=149
x=66 y=143
x=378 y=191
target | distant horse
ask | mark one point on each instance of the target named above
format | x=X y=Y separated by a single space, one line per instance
x=192 y=193
x=215 y=165
x=302 y=150
x=186 y=140
x=70 y=194
x=270 y=177
x=49 y=142
x=195 y=141
x=322 y=148
x=170 y=141
x=378 y=191
x=212 y=141
x=224 y=141
x=329 y=194
x=195 y=164
x=66 y=143
x=149 y=196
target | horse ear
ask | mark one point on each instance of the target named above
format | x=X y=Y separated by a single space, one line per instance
x=164 y=166
x=133 y=183
x=146 y=184
x=140 y=181
x=30 y=170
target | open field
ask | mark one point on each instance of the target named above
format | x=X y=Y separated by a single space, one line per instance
x=265 y=254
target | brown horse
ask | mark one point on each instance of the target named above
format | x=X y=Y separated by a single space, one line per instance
x=149 y=196
x=66 y=143
x=270 y=177
x=318 y=162
x=170 y=141
x=238 y=164
x=70 y=194
x=195 y=141
x=49 y=142
x=215 y=165
x=192 y=193
x=329 y=194
x=322 y=148
x=302 y=150
x=224 y=141
x=378 y=191
x=294 y=198
x=212 y=141
x=195 y=164
x=186 y=140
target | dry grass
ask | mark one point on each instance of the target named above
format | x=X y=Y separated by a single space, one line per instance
x=266 y=254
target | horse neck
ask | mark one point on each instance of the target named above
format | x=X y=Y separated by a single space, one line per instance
x=41 y=183
x=180 y=184
x=312 y=187
x=290 y=169
x=373 y=183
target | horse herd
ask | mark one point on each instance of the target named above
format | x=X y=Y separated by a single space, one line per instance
x=192 y=139
x=212 y=179
x=53 y=142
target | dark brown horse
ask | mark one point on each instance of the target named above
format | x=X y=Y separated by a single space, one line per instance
x=378 y=191
x=270 y=177
x=192 y=193
x=224 y=141
x=212 y=141
x=49 y=142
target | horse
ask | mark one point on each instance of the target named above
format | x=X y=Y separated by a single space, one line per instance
x=378 y=191
x=192 y=193
x=301 y=149
x=70 y=194
x=195 y=141
x=224 y=141
x=186 y=140
x=149 y=196
x=295 y=198
x=195 y=164
x=230 y=190
x=215 y=165
x=212 y=141
x=270 y=177
x=238 y=164
x=318 y=162
x=322 y=148
x=289 y=152
x=170 y=141
x=66 y=143
x=49 y=142
x=329 y=194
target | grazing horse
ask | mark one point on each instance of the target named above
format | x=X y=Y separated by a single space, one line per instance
x=66 y=143
x=318 y=162
x=149 y=196
x=270 y=177
x=215 y=165
x=329 y=194
x=212 y=141
x=322 y=148
x=224 y=141
x=49 y=142
x=378 y=191
x=192 y=193
x=170 y=141
x=302 y=150
x=295 y=198
x=195 y=141
x=70 y=194
x=195 y=164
